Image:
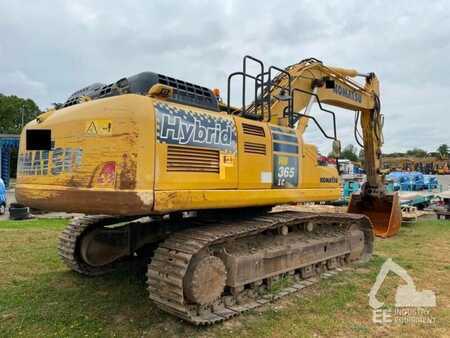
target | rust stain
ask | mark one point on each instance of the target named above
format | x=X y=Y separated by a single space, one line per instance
x=119 y=135
x=73 y=182
x=127 y=176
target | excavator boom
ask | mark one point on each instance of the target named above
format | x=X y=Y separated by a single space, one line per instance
x=287 y=100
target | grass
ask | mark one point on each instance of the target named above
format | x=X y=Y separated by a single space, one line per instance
x=40 y=297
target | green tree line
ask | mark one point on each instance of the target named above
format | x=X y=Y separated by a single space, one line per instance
x=15 y=112
x=350 y=152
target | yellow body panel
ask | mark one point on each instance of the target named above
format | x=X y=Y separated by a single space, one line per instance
x=168 y=201
x=173 y=180
x=253 y=165
x=109 y=156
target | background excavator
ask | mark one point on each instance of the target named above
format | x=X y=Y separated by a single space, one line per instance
x=165 y=170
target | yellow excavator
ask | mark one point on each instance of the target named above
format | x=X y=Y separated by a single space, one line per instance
x=168 y=173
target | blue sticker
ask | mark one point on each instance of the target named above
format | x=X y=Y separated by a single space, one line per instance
x=185 y=127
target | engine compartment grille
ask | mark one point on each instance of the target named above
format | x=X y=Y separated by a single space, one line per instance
x=255 y=148
x=251 y=129
x=186 y=159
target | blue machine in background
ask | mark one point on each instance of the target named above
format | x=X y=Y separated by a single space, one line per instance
x=350 y=187
x=430 y=181
x=412 y=181
x=2 y=197
x=8 y=143
x=416 y=180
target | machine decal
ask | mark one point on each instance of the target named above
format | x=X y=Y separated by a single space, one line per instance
x=107 y=175
x=99 y=127
x=285 y=171
x=328 y=180
x=346 y=92
x=185 y=127
x=266 y=177
x=285 y=158
x=54 y=162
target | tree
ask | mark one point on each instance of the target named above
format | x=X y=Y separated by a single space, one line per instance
x=394 y=155
x=361 y=155
x=350 y=153
x=12 y=110
x=416 y=152
x=443 y=150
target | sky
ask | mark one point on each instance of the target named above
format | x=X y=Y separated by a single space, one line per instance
x=49 y=49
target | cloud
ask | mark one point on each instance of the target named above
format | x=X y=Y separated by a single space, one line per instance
x=18 y=83
x=50 y=49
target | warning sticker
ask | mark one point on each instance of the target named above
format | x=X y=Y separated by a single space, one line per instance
x=99 y=127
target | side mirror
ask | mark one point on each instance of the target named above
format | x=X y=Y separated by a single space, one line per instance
x=336 y=148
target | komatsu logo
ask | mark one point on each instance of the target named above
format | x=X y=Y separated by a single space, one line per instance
x=348 y=93
x=178 y=126
x=53 y=162
x=328 y=180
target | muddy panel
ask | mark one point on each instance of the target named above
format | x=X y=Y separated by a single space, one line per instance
x=103 y=146
x=87 y=201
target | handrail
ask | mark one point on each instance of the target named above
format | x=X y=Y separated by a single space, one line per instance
x=244 y=70
x=270 y=92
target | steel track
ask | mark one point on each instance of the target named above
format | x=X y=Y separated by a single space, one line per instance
x=68 y=246
x=170 y=263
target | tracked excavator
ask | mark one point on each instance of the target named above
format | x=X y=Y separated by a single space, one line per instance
x=166 y=171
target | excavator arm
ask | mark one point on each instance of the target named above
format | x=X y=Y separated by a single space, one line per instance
x=286 y=100
x=311 y=82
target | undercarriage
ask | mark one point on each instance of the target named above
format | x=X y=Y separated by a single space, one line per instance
x=208 y=269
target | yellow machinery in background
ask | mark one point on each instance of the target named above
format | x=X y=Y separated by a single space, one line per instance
x=206 y=174
x=426 y=165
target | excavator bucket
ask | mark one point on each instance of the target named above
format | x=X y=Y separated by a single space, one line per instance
x=385 y=213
